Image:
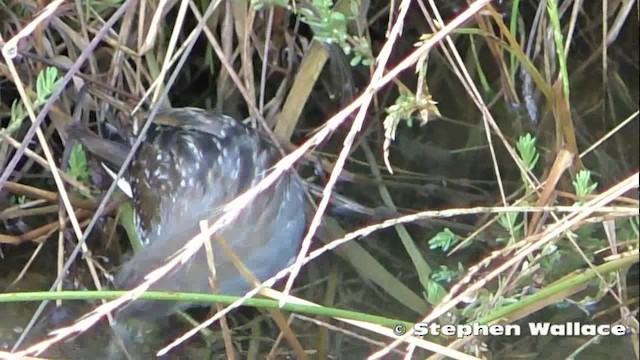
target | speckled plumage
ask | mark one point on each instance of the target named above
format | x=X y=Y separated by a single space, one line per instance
x=191 y=163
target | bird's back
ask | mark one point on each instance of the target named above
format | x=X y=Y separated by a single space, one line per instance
x=191 y=164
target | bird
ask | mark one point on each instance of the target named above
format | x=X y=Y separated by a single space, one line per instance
x=191 y=163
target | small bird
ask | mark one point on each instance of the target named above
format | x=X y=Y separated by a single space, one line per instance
x=191 y=163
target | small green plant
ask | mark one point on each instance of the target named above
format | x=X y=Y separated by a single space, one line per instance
x=361 y=52
x=18 y=200
x=46 y=83
x=583 y=185
x=485 y=303
x=527 y=149
x=406 y=105
x=78 y=166
x=330 y=26
x=444 y=240
x=511 y=222
x=445 y=275
x=529 y=155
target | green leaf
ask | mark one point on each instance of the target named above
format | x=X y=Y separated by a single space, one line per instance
x=445 y=240
x=78 y=166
